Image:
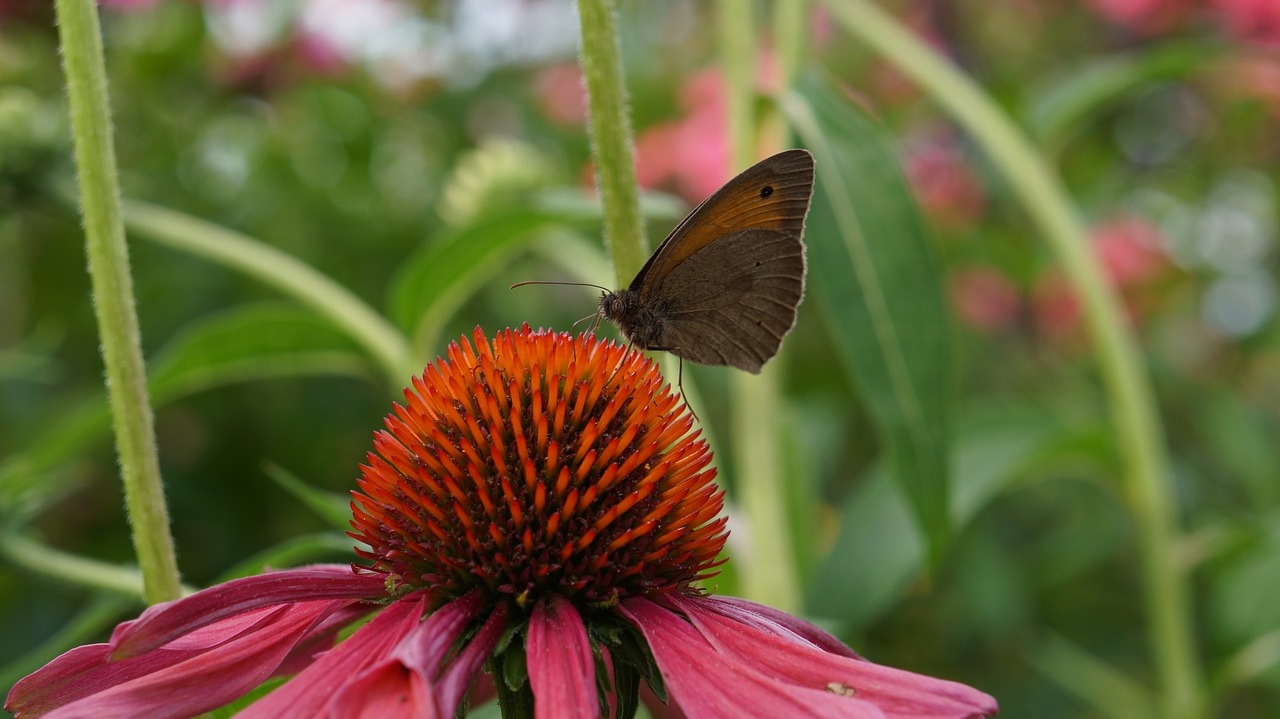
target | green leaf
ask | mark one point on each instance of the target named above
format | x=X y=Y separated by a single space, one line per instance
x=433 y=283
x=877 y=279
x=1062 y=107
x=238 y=345
x=437 y=279
x=333 y=507
x=877 y=552
x=292 y=553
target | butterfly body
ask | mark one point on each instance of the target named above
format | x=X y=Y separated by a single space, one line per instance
x=723 y=288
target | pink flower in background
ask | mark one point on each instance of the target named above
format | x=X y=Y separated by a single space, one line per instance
x=942 y=180
x=1131 y=251
x=1148 y=17
x=689 y=155
x=1254 y=20
x=1251 y=77
x=1054 y=307
x=561 y=94
x=984 y=298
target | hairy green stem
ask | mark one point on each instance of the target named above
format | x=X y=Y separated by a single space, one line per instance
x=757 y=427
x=1146 y=479
x=611 y=142
x=82 y=58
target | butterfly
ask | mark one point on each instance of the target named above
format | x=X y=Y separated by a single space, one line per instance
x=723 y=287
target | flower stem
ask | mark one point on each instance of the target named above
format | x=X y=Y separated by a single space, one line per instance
x=82 y=57
x=757 y=427
x=611 y=141
x=1133 y=412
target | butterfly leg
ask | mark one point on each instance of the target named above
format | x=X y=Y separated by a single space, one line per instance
x=679 y=379
x=680 y=385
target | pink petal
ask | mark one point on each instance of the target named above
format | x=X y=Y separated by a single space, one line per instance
x=389 y=691
x=199 y=681
x=708 y=684
x=778 y=622
x=87 y=670
x=161 y=623
x=561 y=668
x=462 y=672
x=319 y=638
x=899 y=693
x=410 y=670
x=308 y=694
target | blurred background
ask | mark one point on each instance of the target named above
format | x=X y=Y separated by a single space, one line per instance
x=363 y=136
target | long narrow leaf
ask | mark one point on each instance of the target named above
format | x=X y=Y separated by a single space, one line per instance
x=875 y=274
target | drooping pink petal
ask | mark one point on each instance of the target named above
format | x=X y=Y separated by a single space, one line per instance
x=202 y=680
x=309 y=694
x=461 y=673
x=319 y=638
x=774 y=620
x=87 y=670
x=161 y=623
x=388 y=691
x=409 y=671
x=561 y=668
x=899 y=693
x=708 y=684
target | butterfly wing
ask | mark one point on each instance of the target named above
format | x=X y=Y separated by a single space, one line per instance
x=773 y=194
x=733 y=301
x=726 y=282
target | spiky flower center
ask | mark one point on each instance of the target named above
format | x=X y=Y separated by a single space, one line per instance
x=540 y=463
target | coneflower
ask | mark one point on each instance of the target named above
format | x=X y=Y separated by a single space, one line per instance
x=540 y=507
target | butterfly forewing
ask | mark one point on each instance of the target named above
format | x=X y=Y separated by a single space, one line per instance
x=771 y=195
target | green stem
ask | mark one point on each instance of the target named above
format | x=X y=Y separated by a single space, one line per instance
x=738 y=36
x=284 y=272
x=1146 y=477
x=46 y=561
x=113 y=304
x=789 y=35
x=757 y=426
x=611 y=141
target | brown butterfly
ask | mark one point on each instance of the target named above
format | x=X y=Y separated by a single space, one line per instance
x=723 y=288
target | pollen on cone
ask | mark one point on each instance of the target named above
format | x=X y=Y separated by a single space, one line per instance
x=540 y=463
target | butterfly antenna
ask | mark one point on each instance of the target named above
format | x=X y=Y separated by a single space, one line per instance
x=546 y=282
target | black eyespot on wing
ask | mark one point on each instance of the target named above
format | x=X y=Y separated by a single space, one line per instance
x=766 y=191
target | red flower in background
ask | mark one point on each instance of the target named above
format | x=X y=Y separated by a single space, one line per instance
x=943 y=183
x=1131 y=251
x=561 y=93
x=984 y=298
x=1149 y=17
x=1255 y=20
x=539 y=505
